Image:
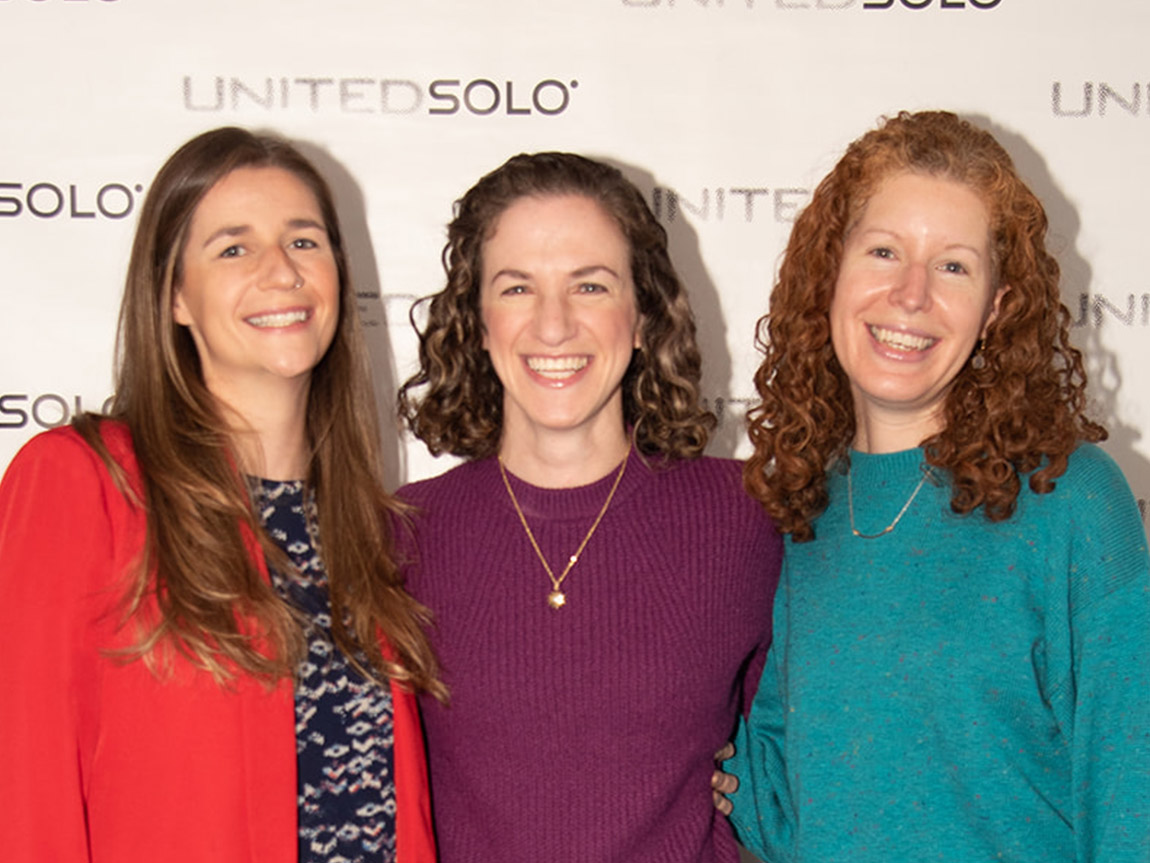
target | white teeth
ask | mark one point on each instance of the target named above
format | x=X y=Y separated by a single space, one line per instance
x=278 y=319
x=556 y=367
x=901 y=341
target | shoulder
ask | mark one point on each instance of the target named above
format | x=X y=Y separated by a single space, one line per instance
x=713 y=486
x=726 y=469
x=1093 y=514
x=63 y=450
x=1090 y=466
x=1095 y=484
x=1092 y=482
x=444 y=511
x=60 y=462
x=455 y=484
x=718 y=478
x=60 y=506
x=119 y=442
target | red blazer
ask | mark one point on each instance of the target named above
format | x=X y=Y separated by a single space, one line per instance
x=100 y=760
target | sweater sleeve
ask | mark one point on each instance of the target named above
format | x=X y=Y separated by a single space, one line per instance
x=1106 y=704
x=762 y=814
x=56 y=543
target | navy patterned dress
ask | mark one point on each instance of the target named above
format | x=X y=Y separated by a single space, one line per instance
x=344 y=733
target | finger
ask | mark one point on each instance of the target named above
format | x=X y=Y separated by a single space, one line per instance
x=724 y=783
x=726 y=752
x=722 y=803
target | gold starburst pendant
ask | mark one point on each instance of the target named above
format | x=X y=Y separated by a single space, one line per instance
x=556 y=599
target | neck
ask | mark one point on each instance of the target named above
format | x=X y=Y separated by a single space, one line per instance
x=880 y=432
x=269 y=432
x=563 y=460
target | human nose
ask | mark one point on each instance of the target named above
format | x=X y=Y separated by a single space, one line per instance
x=280 y=272
x=554 y=321
x=912 y=290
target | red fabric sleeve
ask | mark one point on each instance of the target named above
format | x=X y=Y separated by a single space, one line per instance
x=57 y=553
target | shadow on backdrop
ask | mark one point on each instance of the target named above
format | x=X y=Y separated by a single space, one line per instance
x=1103 y=366
x=364 y=274
x=712 y=329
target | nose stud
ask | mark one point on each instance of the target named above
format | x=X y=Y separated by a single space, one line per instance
x=297 y=285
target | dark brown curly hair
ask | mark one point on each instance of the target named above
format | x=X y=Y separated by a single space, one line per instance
x=1022 y=412
x=461 y=409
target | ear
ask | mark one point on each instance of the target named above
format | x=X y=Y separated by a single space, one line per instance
x=995 y=304
x=637 y=340
x=179 y=310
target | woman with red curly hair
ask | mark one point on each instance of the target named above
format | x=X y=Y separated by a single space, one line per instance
x=962 y=646
x=597 y=584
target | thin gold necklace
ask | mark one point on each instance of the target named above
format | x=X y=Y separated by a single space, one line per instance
x=557 y=598
x=851 y=506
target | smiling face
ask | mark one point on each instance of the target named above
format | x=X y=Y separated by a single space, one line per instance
x=560 y=319
x=259 y=289
x=914 y=294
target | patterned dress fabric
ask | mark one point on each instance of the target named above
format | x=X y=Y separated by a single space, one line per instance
x=344 y=727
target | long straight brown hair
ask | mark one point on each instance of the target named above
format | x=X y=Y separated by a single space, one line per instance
x=198 y=589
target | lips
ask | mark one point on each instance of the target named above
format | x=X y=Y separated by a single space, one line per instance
x=900 y=341
x=557 y=368
x=278 y=320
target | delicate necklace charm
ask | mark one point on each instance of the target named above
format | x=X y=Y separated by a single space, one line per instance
x=557 y=598
x=851 y=506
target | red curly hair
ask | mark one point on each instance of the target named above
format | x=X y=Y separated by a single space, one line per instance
x=1023 y=412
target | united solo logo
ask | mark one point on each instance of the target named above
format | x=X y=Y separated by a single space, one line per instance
x=1095 y=98
x=72 y=201
x=444 y=96
x=48 y=410
x=827 y=5
x=926 y=4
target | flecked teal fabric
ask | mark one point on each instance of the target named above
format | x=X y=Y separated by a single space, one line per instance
x=957 y=689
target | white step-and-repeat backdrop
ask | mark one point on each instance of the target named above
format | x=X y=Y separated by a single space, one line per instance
x=726 y=113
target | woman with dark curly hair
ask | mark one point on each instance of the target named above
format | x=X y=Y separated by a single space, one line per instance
x=963 y=622
x=597 y=584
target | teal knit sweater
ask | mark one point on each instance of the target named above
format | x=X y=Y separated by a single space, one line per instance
x=956 y=690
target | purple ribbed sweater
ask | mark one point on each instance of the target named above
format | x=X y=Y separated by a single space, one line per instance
x=587 y=733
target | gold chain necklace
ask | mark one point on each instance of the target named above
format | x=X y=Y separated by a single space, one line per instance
x=851 y=506
x=557 y=598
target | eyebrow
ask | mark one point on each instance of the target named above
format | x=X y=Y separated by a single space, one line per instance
x=593 y=268
x=240 y=230
x=580 y=273
x=889 y=233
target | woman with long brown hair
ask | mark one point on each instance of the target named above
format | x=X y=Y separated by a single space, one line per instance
x=207 y=650
x=597 y=585
x=961 y=668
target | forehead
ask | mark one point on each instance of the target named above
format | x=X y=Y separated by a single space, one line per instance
x=570 y=215
x=257 y=191
x=937 y=200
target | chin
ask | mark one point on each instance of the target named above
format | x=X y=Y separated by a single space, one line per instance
x=292 y=371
